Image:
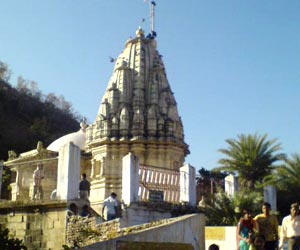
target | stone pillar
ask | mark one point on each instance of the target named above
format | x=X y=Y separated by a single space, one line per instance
x=130 y=178
x=93 y=168
x=270 y=196
x=231 y=185
x=1 y=172
x=68 y=174
x=188 y=184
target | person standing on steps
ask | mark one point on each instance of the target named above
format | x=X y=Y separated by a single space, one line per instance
x=111 y=205
x=84 y=188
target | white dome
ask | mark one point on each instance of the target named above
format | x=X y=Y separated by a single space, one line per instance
x=78 y=138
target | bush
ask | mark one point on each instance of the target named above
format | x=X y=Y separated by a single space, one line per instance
x=9 y=243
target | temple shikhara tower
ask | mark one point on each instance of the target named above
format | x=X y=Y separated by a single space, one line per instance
x=138 y=114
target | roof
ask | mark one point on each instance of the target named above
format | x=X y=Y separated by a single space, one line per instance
x=78 y=138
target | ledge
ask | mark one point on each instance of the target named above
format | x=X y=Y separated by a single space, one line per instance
x=31 y=206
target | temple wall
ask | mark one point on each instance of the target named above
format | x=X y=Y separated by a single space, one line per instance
x=22 y=188
x=40 y=227
x=107 y=162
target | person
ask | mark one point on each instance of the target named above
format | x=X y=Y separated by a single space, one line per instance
x=290 y=229
x=72 y=210
x=213 y=247
x=111 y=205
x=84 y=188
x=268 y=227
x=245 y=228
x=85 y=211
x=257 y=243
x=37 y=183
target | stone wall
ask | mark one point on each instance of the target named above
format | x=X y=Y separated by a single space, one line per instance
x=40 y=226
x=84 y=231
x=187 y=229
x=137 y=214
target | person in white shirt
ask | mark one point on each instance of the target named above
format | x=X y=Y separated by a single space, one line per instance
x=290 y=229
x=111 y=205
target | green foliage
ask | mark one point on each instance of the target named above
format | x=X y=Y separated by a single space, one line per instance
x=208 y=181
x=5 y=72
x=27 y=118
x=10 y=243
x=222 y=210
x=251 y=157
x=207 y=175
x=286 y=179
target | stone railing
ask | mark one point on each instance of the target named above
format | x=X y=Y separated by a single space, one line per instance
x=158 y=179
x=84 y=231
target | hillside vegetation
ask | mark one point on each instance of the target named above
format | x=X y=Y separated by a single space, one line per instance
x=27 y=116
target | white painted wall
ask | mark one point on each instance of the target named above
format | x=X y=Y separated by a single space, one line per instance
x=130 y=178
x=188 y=184
x=270 y=195
x=68 y=173
x=226 y=243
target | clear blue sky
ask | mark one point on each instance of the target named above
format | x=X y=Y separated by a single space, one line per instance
x=234 y=66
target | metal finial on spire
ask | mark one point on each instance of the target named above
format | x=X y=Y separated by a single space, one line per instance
x=152 y=33
x=152 y=15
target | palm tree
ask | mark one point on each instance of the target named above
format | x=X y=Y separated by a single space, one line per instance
x=287 y=176
x=286 y=179
x=251 y=157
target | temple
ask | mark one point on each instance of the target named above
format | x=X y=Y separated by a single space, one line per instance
x=135 y=147
x=138 y=115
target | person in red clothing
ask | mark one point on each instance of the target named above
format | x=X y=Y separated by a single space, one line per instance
x=245 y=229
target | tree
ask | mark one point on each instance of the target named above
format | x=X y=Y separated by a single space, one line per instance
x=5 y=72
x=10 y=243
x=251 y=157
x=208 y=181
x=222 y=210
x=286 y=179
x=287 y=176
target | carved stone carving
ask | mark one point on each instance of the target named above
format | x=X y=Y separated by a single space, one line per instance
x=12 y=155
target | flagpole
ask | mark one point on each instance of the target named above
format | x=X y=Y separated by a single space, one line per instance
x=152 y=14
